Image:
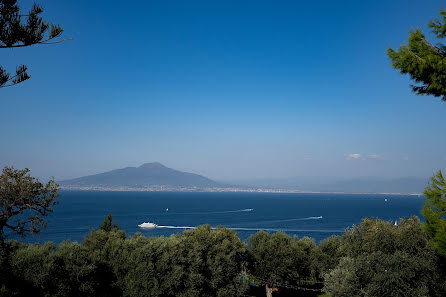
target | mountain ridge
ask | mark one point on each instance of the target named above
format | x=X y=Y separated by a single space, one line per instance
x=155 y=176
x=152 y=174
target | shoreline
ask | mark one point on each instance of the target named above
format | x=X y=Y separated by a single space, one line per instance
x=224 y=190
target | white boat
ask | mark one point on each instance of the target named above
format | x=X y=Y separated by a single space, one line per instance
x=147 y=225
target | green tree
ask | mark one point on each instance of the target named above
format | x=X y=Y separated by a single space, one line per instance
x=30 y=269
x=108 y=224
x=343 y=281
x=213 y=257
x=380 y=259
x=329 y=254
x=24 y=202
x=19 y=29
x=434 y=211
x=47 y=270
x=206 y=263
x=271 y=258
x=153 y=267
x=424 y=61
x=199 y=262
x=109 y=250
x=279 y=259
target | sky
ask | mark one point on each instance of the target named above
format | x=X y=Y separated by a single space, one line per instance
x=231 y=90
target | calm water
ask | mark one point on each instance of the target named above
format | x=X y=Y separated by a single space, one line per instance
x=295 y=214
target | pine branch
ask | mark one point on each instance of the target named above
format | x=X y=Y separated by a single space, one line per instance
x=40 y=42
x=19 y=77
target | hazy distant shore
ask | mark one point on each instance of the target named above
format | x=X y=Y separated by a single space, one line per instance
x=222 y=190
x=155 y=177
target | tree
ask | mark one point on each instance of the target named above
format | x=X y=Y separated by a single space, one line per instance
x=271 y=258
x=426 y=64
x=21 y=30
x=434 y=211
x=279 y=259
x=108 y=250
x=50 y=270
x=107 y=225
x=206 y=263
x=199 y=262
x=380 y=259
x=24 y=202
x=424 y=61
x=329 y=255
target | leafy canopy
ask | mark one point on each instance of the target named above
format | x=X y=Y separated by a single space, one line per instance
x=434 y=211
x=20 y=30
x=24 y=201
x=381 y=259
x=423 y=61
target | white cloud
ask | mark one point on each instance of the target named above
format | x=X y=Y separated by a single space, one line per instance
x=353 y=157
x=374 y=156
x=357 y=156
x=405 y=158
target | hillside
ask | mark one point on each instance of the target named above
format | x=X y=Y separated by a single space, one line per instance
x=146 y=175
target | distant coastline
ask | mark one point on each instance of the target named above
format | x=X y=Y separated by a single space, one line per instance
x=219 y=190
x=155 y=177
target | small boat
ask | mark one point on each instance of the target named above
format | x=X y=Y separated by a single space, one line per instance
x=396 y=223
x=167 y=209
x=148 y=225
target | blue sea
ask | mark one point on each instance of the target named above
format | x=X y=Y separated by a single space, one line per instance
x=315 y=215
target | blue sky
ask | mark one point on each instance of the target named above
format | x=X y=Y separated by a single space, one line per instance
x=228 y=89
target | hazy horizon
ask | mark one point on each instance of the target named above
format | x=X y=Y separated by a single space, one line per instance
x=245 y=180
x=304 y=178
x=226 y=89
x=153 y=175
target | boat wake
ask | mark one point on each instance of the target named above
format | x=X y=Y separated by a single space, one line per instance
x=254 y=229
x=217 y=212
x=292 y=220
x=178 y=227
x=259 y=229
x=171 y=212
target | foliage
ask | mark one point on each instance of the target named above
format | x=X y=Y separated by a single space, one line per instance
x=20 y=30
x=343 y=281
x=424 y=61
x=44 y=270
x=380 y=259
x=108 y=224
x=107 y=250
x=375 y=258
x=24 y=201
x=271 y=256
x=200 y=262
x=279 y=259
x=329 y=254
x=434 y=211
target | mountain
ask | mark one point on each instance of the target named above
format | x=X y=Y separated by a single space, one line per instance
x=145 y=176
x=155 y=176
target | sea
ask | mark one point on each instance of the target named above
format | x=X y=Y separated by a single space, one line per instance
x=314 y=215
